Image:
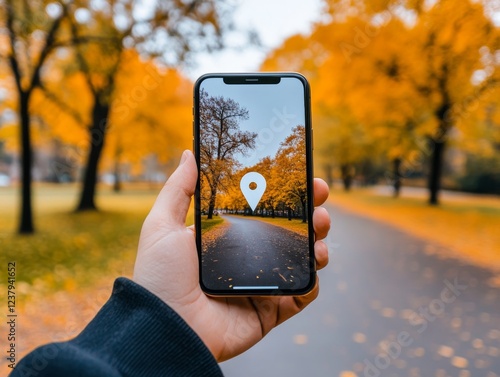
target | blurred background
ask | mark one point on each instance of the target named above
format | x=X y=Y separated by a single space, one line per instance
x=95 y=109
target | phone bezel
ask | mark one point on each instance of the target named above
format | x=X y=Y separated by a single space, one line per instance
x=256 y=79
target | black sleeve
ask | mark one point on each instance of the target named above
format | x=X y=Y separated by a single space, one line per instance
x=134 y=334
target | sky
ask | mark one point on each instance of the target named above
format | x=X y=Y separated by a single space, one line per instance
x=274 y=21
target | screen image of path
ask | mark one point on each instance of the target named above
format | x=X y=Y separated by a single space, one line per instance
x=253 y=185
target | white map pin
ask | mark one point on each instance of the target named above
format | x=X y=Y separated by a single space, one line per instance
x=253 y=196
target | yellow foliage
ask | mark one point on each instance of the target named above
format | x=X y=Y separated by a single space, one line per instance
x=386 y=79
x=150 y=112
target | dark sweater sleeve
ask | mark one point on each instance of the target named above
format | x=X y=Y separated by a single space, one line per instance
x=135 y=334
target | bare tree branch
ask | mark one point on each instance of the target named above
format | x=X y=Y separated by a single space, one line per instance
x=47 y=49
x=12 y=40
x=84 y=39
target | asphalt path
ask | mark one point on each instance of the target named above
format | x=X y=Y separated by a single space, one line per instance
x=255 y=253
x=389 y=306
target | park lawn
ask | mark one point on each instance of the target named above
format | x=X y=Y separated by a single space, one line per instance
x=467 y=227
x=68 y=247
x=71 y=248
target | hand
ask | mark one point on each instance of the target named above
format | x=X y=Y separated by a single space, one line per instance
x=167 y=265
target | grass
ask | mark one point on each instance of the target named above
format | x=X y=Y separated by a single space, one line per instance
x=68 y=248
x=206 y=224
x=466 y=226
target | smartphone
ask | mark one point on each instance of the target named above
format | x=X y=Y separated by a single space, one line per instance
x=254 y=197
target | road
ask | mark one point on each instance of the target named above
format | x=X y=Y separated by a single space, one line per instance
x=271 y=256
x=388 y=306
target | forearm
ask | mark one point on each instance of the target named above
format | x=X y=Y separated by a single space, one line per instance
x=134 y=334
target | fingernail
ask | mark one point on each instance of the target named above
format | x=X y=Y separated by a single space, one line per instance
x=183 y=157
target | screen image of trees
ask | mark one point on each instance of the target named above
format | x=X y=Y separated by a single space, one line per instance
x=248 y=252
x=222 y=142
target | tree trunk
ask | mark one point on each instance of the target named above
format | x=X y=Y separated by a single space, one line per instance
x=117 y=184
x=397 y=177
x=304 y=214
x=437 y=150
x=346 y=173
x=211 y=205
x=100 y=115
x=436 y=169
x=26 y=219
x=438 y=142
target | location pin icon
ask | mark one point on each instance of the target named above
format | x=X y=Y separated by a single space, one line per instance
x=254 y=194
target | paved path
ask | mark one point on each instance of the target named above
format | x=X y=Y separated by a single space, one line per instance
x=387 y=308
x=272 y=256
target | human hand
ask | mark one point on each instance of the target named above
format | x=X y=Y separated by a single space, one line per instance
x=167 y=265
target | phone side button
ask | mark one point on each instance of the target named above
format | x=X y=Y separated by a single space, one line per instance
x=312 y=138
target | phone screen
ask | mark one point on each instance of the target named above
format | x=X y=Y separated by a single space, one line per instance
x=253 y=207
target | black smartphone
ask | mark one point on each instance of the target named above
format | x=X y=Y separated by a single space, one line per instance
x=254 y=198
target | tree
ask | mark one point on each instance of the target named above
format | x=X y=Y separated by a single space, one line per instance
x=451 y=37
x=221 y=140
x=291 y=163
x=144 y=116
x=31 y=41
x=340 y=139
x=286 y=181
x=270 y=198
x=152 y=107
x=99 y=62
x=444 y=60
x=169 y=31
x=393 y=118
x=396 y=79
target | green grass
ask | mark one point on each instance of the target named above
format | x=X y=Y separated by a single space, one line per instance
x=68 y=247
x=206 y=224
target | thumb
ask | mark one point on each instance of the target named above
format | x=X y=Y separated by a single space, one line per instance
x=173 y=202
